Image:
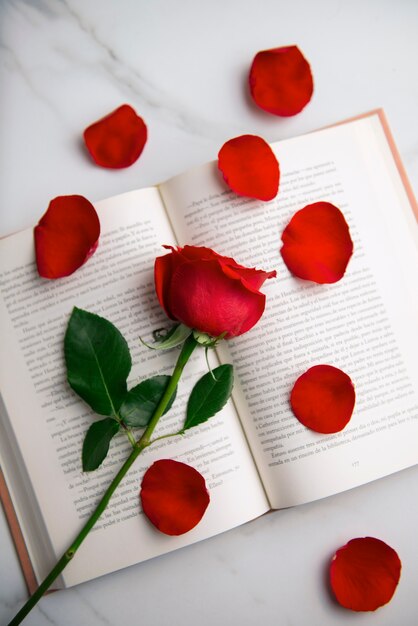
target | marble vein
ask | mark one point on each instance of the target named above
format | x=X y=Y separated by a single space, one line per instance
x=45 y=614
x=131 y=80
x=94 y=610
x=16 y=65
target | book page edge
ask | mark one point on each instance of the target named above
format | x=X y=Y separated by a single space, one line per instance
x=393 y=148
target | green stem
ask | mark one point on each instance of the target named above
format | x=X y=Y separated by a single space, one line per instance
x=128 y=433
x=185 y=354
x=188 y=347
x=180 y=432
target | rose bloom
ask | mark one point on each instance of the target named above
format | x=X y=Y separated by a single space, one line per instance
x=209 y=292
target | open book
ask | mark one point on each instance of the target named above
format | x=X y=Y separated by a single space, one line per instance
x=254 y=454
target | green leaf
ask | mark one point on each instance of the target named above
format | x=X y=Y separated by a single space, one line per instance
x=142 y=400
x=209 y=395
x=98 y=361
x=96 y=443
x=176 y=336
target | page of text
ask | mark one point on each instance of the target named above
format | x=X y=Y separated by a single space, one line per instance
x=50 y=421
x=365 y=324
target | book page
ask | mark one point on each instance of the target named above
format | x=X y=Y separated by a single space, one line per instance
x=366 y=324
x=49 y=421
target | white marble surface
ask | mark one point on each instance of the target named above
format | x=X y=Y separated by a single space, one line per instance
x=183 y=66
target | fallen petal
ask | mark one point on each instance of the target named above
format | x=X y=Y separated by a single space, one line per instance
x=364 y=574
x=249 y=167
x=323 y=399
x=66 y=236
x=317 y=244
x=173 y=496
x=117 y=140
x=281 y=81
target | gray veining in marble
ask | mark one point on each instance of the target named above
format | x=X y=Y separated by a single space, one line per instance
x=183 y=66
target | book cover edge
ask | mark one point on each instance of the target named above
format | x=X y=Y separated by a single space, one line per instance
x=17 y=536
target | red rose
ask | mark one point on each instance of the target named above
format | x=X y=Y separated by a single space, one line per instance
x=209 y=292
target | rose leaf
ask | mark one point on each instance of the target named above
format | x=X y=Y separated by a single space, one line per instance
x=98 y=361
x=141 y=401
x=209 y=395
x=96 y=443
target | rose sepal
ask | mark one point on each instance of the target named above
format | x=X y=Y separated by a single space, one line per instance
x=175 y=337
x=203 y=339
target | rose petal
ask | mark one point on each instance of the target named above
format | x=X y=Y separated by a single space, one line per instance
x=281 y=81
x=253 y=277
x=317 y=244
x=364 y=574
x=173 y=496
x=249 y=167
x=66 y=236
x=323 y=399
x=205 y=298
x=250 y=277
x=117 y=140
x=164 y=268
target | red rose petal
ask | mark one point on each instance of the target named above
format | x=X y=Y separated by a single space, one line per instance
x=117 y=140
x=281 y=81
x=249 y=167
x=364 y=574
x=323 y=399
x=173 y=496
x=317 y=244
x=164 y=268
x=203 y=296
x=66 y=236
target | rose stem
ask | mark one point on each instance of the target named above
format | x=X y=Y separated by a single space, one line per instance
x=144 y=441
